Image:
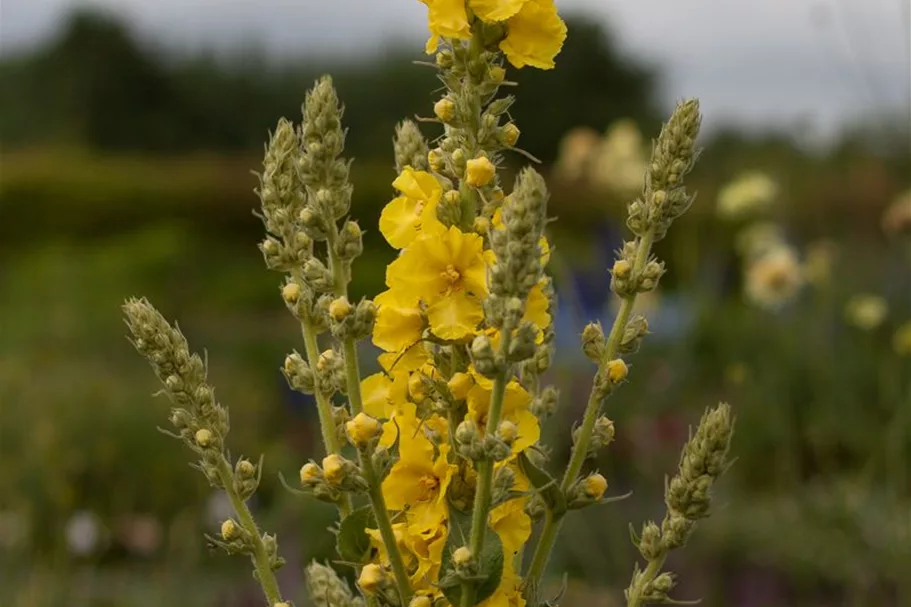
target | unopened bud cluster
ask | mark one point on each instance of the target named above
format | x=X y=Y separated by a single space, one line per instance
x=687 y=496
x=664 y=198
x=327 y=589
x=199 y=420
x=518 y=266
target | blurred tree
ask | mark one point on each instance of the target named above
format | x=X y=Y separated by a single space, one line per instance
x=95 y=85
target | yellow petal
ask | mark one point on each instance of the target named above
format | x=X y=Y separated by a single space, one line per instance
x=397 y=326
x=534 y=35
x=375 y=393
x=495 y=10
x=455 y=317
x=418 y=185
x=400 y=221
x=447 y=18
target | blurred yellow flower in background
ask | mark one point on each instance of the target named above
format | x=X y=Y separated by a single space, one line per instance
x=752 y=193
x=866 y=311
x=901 y=341
x=774 y=277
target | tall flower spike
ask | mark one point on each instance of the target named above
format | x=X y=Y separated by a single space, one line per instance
x=688 y=496
x=673 y=156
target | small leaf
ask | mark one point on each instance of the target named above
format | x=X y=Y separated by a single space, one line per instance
x=490 y=562
x=545 y=484
x=352 y=541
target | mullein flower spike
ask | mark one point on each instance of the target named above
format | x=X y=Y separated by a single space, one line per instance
x=443 y=443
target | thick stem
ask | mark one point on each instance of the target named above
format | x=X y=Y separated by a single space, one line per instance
x=553 y=521
x=634 y=594
x=260 y=558
x=483 y=489
x=324 y=408
x=384 y=523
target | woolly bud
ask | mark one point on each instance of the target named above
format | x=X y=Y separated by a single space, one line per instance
x=410 y=147
x=298 y=373
x=593 y=341
x=480 y=171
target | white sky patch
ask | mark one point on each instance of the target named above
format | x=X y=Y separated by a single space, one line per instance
x=758 y=64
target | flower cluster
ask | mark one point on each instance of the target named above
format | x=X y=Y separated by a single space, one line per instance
x=434 y=462
x=465 y=323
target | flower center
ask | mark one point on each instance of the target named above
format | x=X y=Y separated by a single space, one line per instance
x=450 y=275
x=428 y=486
x=419 y=207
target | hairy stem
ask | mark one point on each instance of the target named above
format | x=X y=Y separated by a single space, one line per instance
x=634 y=594
x=484 y=486
x=260 y=558
x=553 y=520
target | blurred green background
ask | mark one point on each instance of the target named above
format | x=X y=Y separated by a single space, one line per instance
x=127 y=171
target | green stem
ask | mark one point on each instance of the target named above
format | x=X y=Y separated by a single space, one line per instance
x=553 y=520
x=260 y=558
x=340 y=274
x=324 y=408
x=634 y=594
x=384 y=523
x=483 y=489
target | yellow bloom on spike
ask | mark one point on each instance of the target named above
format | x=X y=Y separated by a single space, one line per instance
x=534 y=36
x=446 y=19
x=412 y=212
x=515 y=409
x=446 y=272
x=493 y=11
x=418 y=481
x=509 y=519
x=399 y=322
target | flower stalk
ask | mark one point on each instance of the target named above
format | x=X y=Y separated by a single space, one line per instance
x=259 y=555
x=663 y=200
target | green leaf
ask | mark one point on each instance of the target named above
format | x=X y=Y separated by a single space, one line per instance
x=353 y=543
x=545 y=484
x=490 y=562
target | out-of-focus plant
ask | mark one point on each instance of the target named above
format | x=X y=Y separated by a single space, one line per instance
x=435 y=463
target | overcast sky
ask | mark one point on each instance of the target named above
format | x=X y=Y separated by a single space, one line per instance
x=757 y=62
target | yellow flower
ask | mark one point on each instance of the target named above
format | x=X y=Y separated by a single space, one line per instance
x=399 y=322
x=459 y=384
x=447 y=273
x=866 y=311
x=493 y=11
x=418 y=481
x=515 y=410
x=412 y=212
x=534 y=36
x=370 y=578
x=509 y=520
x=447 y=19
x=479 y=171
x=407 y=360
